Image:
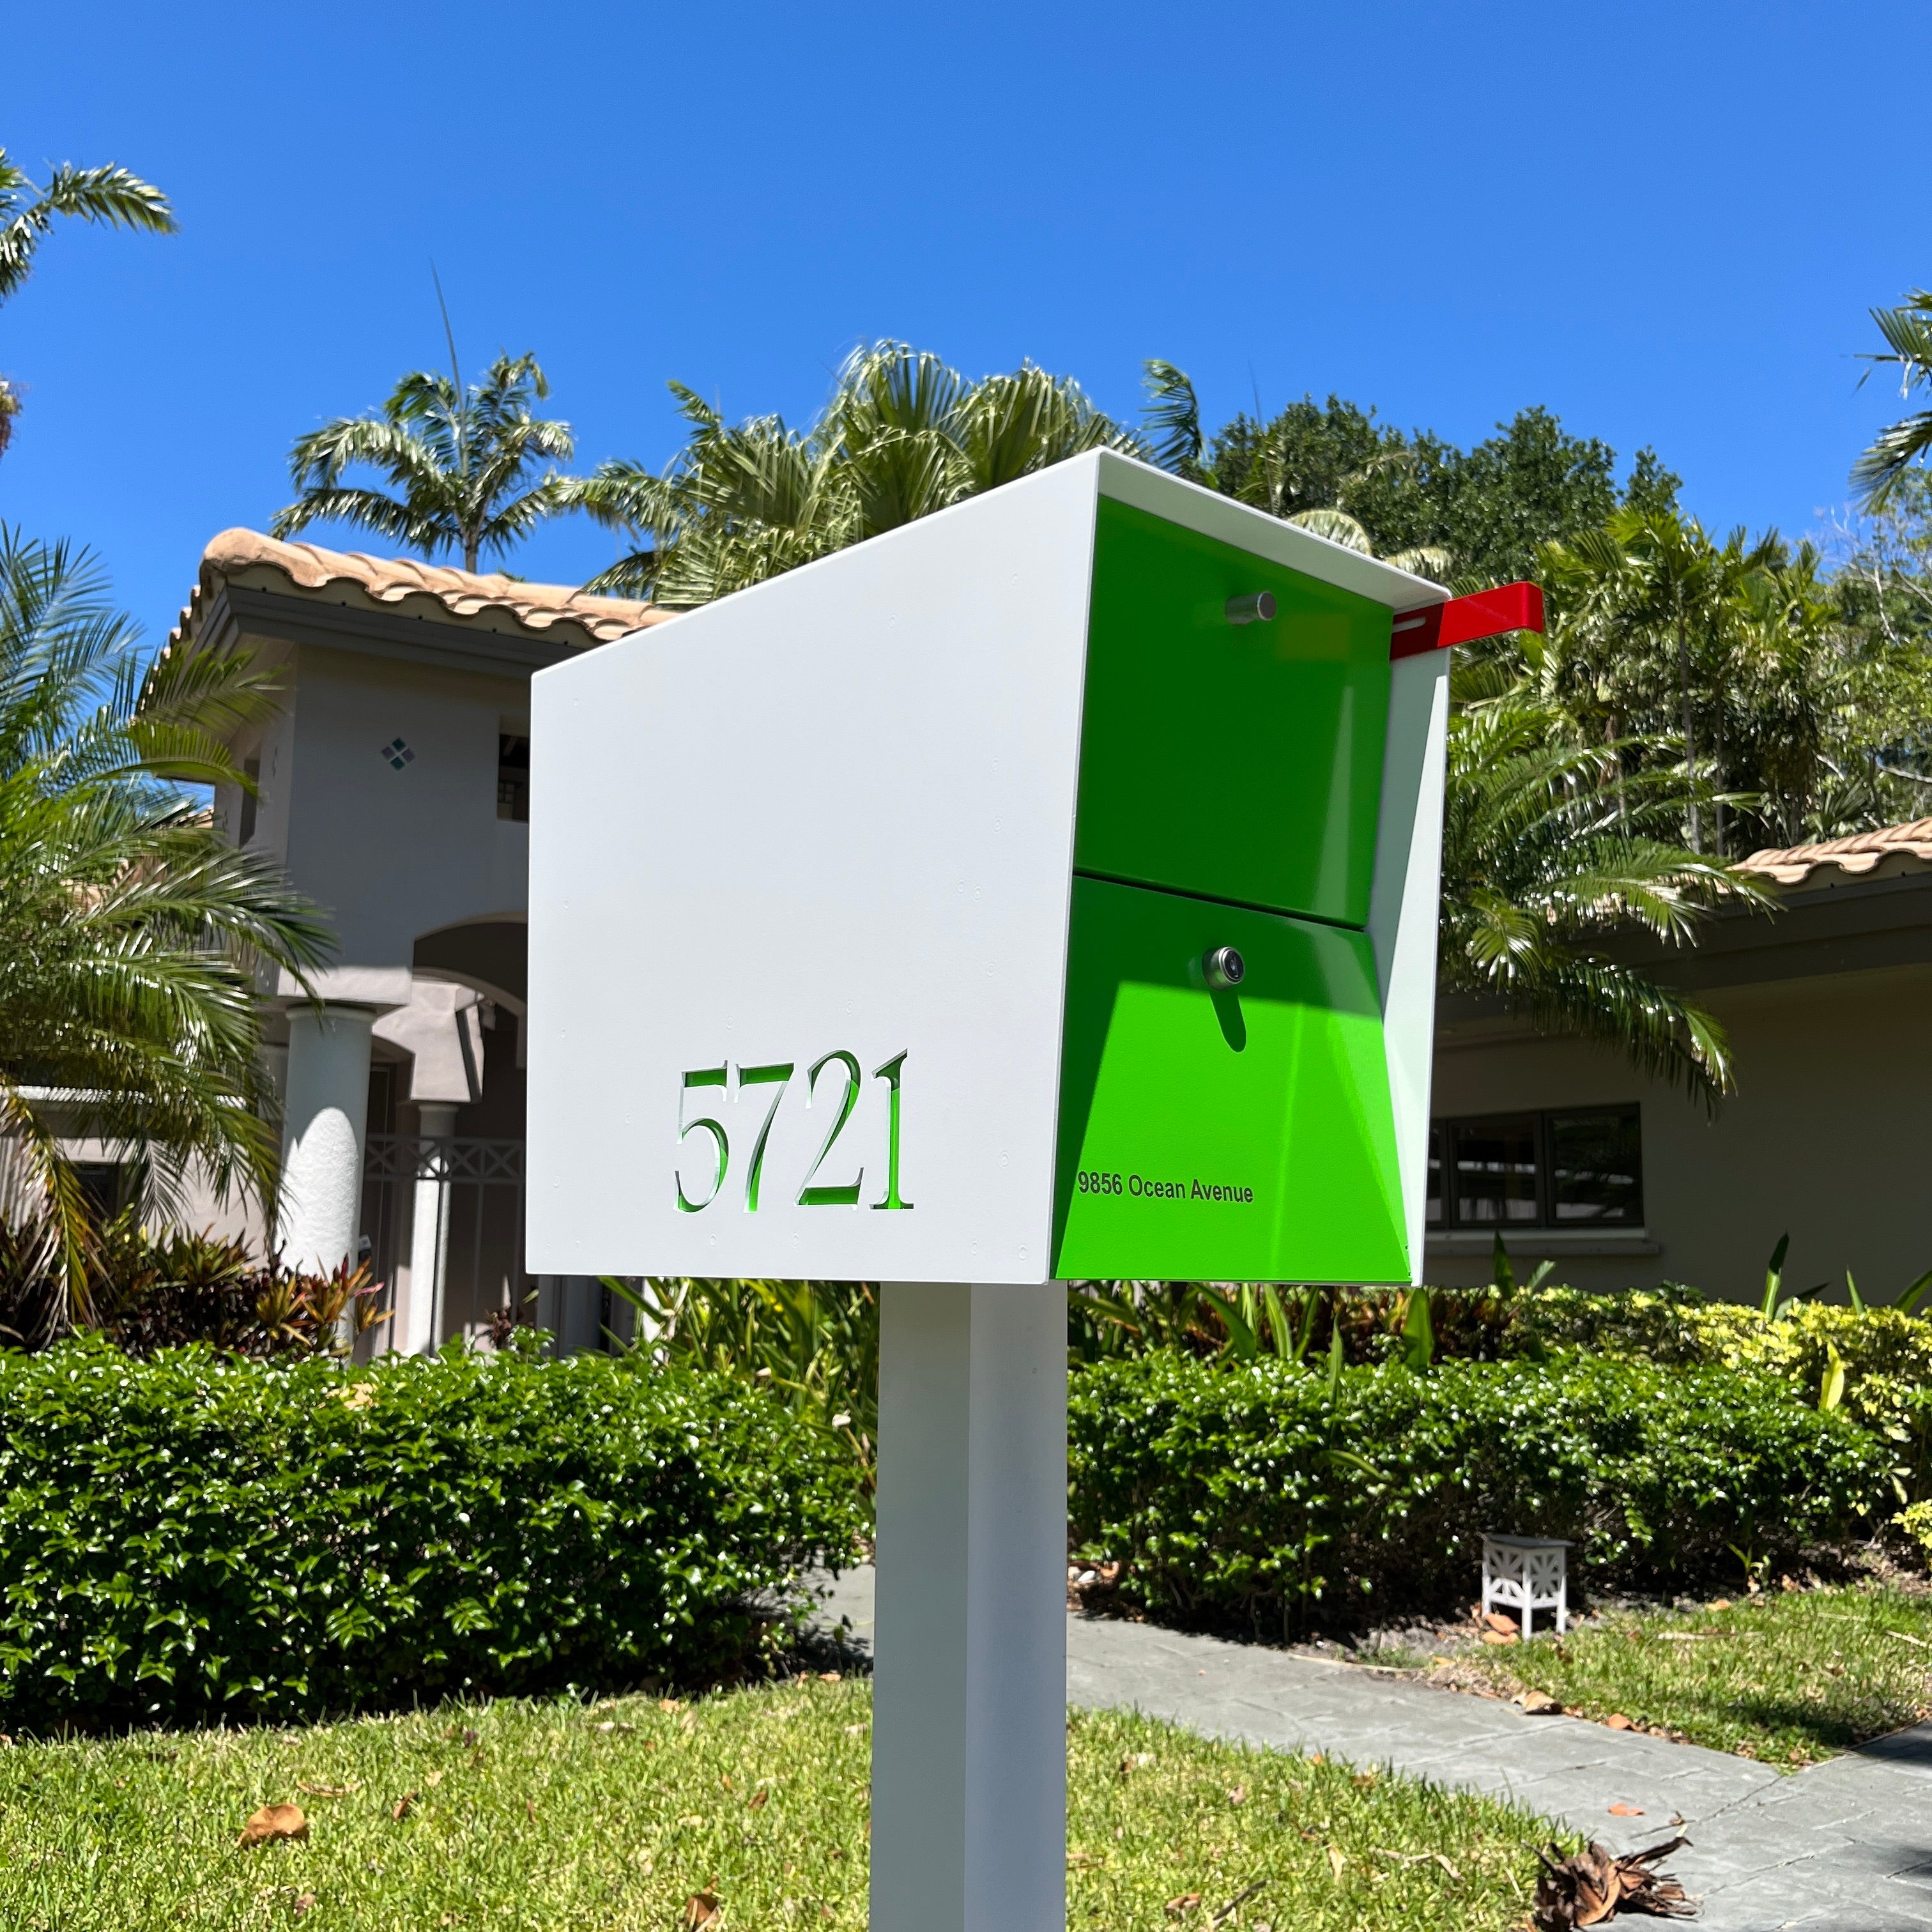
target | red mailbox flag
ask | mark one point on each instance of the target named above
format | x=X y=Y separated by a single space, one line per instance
x=1485 y=613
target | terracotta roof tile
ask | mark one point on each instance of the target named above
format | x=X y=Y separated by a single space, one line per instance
x=462 y=593
x=1897 y=848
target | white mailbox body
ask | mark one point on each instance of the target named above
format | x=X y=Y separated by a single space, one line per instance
x=805 y=867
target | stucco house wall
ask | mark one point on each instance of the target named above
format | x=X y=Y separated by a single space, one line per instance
x=378 y=790
x=1824 y=1139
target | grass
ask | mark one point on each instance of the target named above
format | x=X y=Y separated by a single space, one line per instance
x=616 y=1816
x=1789 y=1677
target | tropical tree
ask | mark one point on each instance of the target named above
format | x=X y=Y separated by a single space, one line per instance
x=1907 y=330
x=109 y=195
x=1477 y=516
x=1553 y=848
x=1801 y=703
x=903 y=434
x=462 y=463
x=131 y=930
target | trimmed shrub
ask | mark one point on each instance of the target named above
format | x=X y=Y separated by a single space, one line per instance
x=1240 y=1494
x=1886 y=1356
x=199 y=1536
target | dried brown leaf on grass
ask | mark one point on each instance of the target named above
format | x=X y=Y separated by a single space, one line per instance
x=403 y=1806
x=1589 y=1887
x=273 y=1821
x=699 y=1909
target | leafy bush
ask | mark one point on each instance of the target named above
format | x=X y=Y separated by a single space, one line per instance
x=1240 y=1493
x=813 y=1344
x=1885 y=1356
x=198 y=1535
x=1660 y=1324
x=159 y=1290
x=149 y=1289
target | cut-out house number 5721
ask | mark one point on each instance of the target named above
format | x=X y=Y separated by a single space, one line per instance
x=777 y=1075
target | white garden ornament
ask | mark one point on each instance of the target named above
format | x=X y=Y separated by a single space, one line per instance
x=1527 y=1574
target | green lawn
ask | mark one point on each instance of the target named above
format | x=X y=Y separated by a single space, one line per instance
x=615 y=1816
x=1789 y=1677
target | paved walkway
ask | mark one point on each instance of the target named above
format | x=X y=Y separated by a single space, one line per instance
x=1846 y=1844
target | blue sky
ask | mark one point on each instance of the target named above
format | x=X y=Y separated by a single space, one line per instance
x=1666 y=223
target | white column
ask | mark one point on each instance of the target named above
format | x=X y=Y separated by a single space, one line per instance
x=969 y=1711
x=429 y=1230
x=324 y=1112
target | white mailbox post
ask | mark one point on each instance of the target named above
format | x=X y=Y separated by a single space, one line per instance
x=1046 y=889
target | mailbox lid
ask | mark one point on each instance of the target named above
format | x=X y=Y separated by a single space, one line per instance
x=1238 y=1136
x=1237 y=762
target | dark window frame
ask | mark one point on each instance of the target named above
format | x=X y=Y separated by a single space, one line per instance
x=251 y=770
x=513 y=771
x=1441 y=1212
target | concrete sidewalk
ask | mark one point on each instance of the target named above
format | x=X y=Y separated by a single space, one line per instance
x=1846 y=1844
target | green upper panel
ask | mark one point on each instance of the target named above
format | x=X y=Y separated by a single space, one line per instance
x=1241 y=1135
x=1236 y=762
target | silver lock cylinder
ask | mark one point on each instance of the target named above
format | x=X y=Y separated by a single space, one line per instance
x=1257 y=608
x=1222 y=968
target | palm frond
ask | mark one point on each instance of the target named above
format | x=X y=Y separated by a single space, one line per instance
x=107 y=196
x=1172 y=414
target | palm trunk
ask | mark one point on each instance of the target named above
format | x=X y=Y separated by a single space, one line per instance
x=1717 y=804
x=1689 y=748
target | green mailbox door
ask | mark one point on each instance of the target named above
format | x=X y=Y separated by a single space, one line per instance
x=1237 y=762
x=1244 y=1134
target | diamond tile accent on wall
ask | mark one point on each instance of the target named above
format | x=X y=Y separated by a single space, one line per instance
x=398 y=752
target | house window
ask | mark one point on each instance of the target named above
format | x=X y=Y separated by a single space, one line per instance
x=103 y=1184
x=1567 y=1168
x=251 y=770
x=513 y=773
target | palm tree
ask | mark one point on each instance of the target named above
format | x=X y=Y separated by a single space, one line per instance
x=109 y=195
x=1658 y=618
x=461 y=461
x=1907 y=330
x=903 y=435
x=131 y=932
x=1551 y=847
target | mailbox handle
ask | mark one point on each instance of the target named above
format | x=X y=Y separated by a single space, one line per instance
x=1462 y=620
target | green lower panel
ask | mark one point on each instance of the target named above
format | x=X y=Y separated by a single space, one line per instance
x=1237 y=1136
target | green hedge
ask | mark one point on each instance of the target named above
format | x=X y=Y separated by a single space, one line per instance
x=1241 y=1494
x=198 y=1536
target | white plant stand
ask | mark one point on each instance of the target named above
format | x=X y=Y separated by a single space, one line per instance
x=1527 y=1574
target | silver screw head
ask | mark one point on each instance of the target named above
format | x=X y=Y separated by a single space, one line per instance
x=1222 y=967
x=1257 y=608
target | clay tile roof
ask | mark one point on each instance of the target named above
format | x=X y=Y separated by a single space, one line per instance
x=1897 y=848
x=462 y=593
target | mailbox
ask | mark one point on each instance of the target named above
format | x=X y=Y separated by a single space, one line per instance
x=1046 y=889
x=875 y=910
